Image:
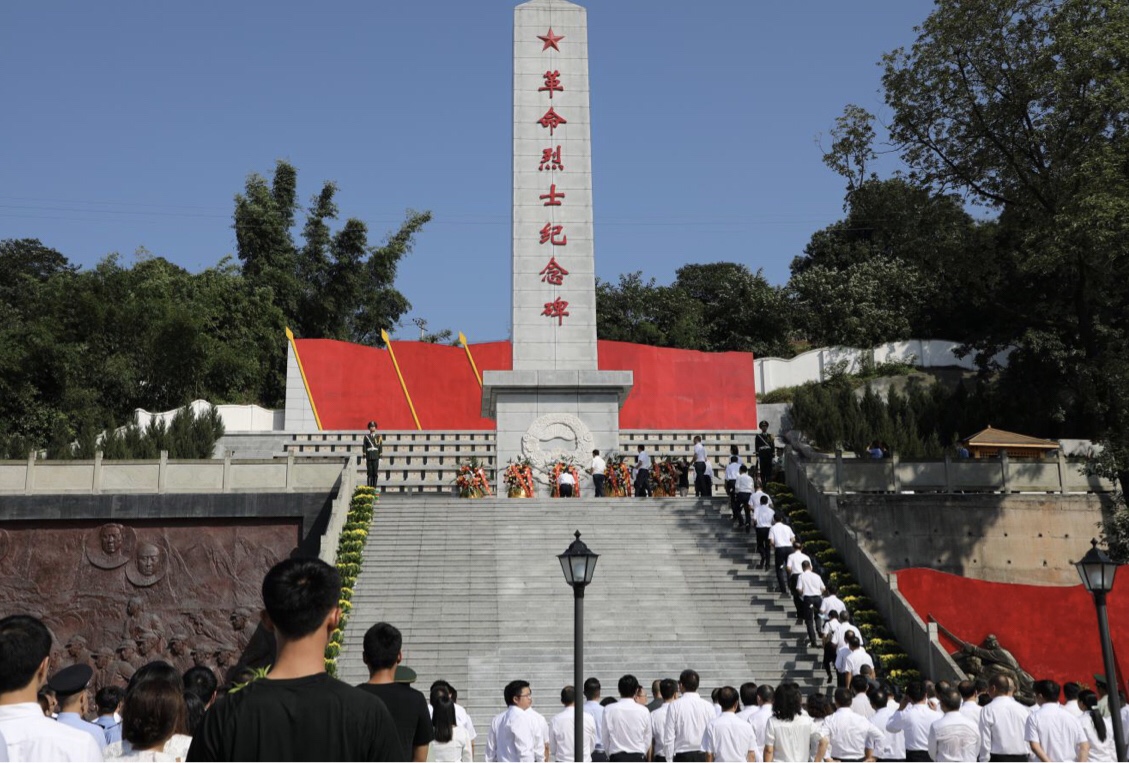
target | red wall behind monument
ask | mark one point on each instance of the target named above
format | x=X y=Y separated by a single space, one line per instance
x=1052 y=631
x=674 y=389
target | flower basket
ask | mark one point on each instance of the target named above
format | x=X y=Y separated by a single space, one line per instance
x=471 y=481
x=518 y=479
x=617 y=478
x=664 y=478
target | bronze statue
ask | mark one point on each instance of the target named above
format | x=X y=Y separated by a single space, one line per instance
x=990 y=659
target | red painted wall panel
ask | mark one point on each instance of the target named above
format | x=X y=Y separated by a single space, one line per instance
x=674 y=389
x=1052 y=631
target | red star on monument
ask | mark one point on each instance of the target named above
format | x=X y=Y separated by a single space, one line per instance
x=550 y=40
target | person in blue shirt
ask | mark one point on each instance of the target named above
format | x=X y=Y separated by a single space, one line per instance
x=109 y=702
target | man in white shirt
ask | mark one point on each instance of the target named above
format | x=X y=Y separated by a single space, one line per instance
x=566 y=483
x=562 y=729
x=1003 y=723
x=25 y=647
x=851 y=737
x=732 y=471
x=593 y=708
x=668 y=690
x=728 y=737
x=759 y=719
x=970 y=701
x=781 y=538
x=914 y=718
x=831 y=602
x=1052 y=732
x=596 y=469
x=626 y=730
x=699 y=466
x=744 y=488
x=642 y=473
x=953 y=736
x=686 y=721
x=1070 y=692
x=852 y=657
x=893 y=744
x=748 y=694
x=763 y=517
x=860 y=705
x=810 y=588
x=794 y=564
x=515 y=735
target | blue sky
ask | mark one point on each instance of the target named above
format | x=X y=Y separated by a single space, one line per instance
x=133 y=124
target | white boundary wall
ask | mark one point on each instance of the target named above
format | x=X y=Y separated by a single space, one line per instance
x=816 y=365
x=236 y=418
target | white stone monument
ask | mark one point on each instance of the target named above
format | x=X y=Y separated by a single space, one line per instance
x=555 y=402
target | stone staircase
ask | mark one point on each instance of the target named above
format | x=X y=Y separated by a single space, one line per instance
x=476 y=589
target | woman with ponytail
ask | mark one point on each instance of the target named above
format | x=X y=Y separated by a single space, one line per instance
x=1098 y=729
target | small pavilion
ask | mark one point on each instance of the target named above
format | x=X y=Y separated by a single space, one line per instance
x=991 y=442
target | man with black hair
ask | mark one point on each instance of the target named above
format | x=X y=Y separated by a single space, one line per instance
x=593 y=707
x=732 y=471
x=728 y=737
x=914 y=718
x=686 y=721
x=514 y=734
x=25 y=650
x=759 y=719
x=970 y=705
x=642 y=473
x=1070 y=692
x=562 y=730
x=744 y=489
x=954 y=736
x=668 y=690
x=201 y=681
x=748 y=694
x=339 y=722
x=626 y=731
x=781 y=538
x=851 y=736
x=893 y=744
x=108 y=699
x=809 y=587
x=860 y=703
x=1003 y=723
x=763 y=517
x=1052 y=732
x=383 y=651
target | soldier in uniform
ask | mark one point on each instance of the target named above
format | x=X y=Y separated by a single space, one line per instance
x=373 y=446
x=765 y=446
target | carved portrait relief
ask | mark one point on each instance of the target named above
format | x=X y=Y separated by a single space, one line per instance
x=149 y=565
x=110 y=546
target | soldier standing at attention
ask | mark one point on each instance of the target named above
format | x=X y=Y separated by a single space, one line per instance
x=373 y=445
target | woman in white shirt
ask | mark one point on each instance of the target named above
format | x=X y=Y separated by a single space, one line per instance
x=1098 y=729
x=152 y=712
x=451 y=742
x=790 y=735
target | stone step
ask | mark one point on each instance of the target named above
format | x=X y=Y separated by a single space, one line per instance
x=476 y=589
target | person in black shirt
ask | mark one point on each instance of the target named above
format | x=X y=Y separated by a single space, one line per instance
x=298 y=712
x=382 y=653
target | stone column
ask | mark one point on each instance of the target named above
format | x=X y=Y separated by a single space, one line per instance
x=555 y=402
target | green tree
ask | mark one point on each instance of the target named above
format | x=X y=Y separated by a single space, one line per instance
x=1023 y=105
x=634 y=310
x=333 y=286
x=741 y=311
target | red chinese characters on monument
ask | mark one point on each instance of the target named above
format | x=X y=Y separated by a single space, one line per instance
x=553 y=273
x=550 y=159
x=552 y=83
x=553 y=197
x=552 y=120
x=549 y=236
x=558 y=309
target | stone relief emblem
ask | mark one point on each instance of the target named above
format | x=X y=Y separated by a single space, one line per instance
x=555 y=436
x=149 y=565
x=110 y=546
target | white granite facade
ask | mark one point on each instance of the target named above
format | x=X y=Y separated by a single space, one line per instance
x=555 y=402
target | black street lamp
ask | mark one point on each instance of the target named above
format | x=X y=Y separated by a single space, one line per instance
x=1097 y=571
x=578 y=564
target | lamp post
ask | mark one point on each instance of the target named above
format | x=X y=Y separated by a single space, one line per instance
x=1097 y=571
x=578 y=563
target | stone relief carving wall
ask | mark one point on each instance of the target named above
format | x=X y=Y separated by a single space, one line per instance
x=119 y=595
x=553 y=437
